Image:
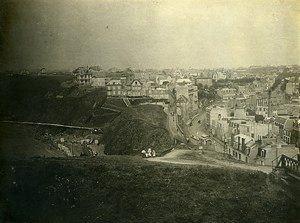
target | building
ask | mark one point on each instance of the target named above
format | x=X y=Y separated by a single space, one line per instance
x=242 y=148
x=293 y=86
x=142 y=75
x=184 y=87
x=275 y=98
x=115 y=88
x=182 y=104
x=262 y=106
x=84 y=79
x=295 y=137
x=215 y=113
x=226 y=93
x=135 y=89
x=203 y=81
x=158 y=93
x=98 y=77
x=220 y=129
x=267 y=153
x=42 y=71
x=219 y=76
x=83 y=76
x=98 y=82
x=285 y=125
x=24 y=72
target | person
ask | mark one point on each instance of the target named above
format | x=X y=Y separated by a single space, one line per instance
x=153 y=153
x=144 y=153
x=149 y=152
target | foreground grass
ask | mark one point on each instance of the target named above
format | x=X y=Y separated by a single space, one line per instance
x=128 y=189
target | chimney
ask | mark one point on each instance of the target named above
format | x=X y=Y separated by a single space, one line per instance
x=243 y=144
x=239 y=142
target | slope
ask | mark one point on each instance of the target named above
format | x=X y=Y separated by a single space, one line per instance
x=137 y=128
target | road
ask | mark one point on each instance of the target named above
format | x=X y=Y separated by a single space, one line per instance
x=175 y=157
x=172 y=123
x=198 y=128
x=53 y=124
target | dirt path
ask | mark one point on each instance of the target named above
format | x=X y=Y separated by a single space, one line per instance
x=174 y=158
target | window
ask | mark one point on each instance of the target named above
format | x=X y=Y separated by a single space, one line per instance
x=261 y=152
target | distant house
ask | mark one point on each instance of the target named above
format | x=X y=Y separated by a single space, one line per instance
x=221 y=129
x=293 y=86
x=182 y=104
x=82 y=76
x=186 y=88
x=135 y=89
x=84 y=79
x=226 y=93
x=98 y=78
x=287 y=131
x=219 y=76
x=262 y=105
x=114 y=88
x=269 y=152
x=24 y=72
x=98 y=81
x=250 y=128
x=203 y=81
x=42 y=71
x=243 y=148
x=295 y=137
x=158 y=93
x=141 y=75
x=275 y=98
x=183 y=81
x=285 y=128
x=215 y=113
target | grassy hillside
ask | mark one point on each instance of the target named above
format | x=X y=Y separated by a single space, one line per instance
x=18 y=141
x=43 y=99
x=129 y=189
x=138 y=128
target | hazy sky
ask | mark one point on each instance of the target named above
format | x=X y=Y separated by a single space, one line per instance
x=149 y=34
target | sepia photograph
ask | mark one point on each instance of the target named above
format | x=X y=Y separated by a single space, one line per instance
x=150 y=111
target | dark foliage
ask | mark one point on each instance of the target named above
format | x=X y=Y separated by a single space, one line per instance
x=33 y=98
x=137 y=128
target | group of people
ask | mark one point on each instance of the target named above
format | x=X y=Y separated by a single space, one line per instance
x=150 y=153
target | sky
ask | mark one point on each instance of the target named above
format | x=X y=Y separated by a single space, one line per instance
x=65 y=34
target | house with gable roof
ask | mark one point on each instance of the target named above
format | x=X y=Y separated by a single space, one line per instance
x=135 y=89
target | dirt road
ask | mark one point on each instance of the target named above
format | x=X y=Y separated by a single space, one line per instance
x=175 y=157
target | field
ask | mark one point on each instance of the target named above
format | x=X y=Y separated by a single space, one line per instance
x=130 y=189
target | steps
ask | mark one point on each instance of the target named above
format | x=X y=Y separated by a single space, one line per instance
x=127 y=102
x=290 y=166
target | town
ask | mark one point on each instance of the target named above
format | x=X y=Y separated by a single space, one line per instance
x=150 y=111
x=252 y=114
